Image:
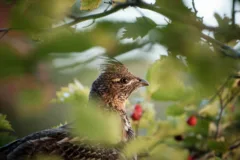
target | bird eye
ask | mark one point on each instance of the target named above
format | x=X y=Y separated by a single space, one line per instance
x=124 y=80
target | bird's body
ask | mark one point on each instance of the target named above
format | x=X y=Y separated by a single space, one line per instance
x=110 y=92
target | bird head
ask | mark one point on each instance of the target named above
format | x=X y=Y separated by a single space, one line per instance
x=115 y=84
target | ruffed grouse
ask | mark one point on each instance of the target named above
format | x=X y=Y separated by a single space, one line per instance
x=110 y=91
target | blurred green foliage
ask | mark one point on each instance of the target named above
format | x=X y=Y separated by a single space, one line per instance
x=5 y=131
x=192 y=77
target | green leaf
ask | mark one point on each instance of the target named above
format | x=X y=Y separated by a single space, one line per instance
x=210 y=110
x=97 y=125
x=175 y=110
x=75 y=94
x=170 y=127
x=5 y=130
x=38 y=15
x=90 y=4
x=4 y=124
x=217 y=146
x=168 y=79
x=205 y=64
x=174 y=37
x=139 y=28
x=163 y=151
x=11 y=63
x=174 y=6
x=63 y=43
x=224 y=32
x=139 y=145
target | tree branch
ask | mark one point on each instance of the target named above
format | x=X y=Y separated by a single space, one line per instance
x=227 y=50
x=233 y=13
x=235 y=145
x=194 y=8
x=208 y=155
x=232 y=147
x=168 y=13
x=219 y=116
x=94 y=16
x=5 y=31
x=220 y=89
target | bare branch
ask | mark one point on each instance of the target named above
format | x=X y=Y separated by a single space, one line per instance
x=5 y=31
x=219 y=116
x=93 y=21
x=222 y=107
x=232 y=147
x=220 y=89
x=232 y=97
x=115 y=9
x=194 y=7
x=137 y=3
x=208 y=155
x=236 y=76
x=227 y=50
x=235 y=145
x=233 y=13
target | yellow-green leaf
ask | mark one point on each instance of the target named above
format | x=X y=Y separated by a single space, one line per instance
x=90 y=4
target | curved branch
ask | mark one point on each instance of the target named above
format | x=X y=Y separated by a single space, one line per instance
x=227 y=50
x=94 y=16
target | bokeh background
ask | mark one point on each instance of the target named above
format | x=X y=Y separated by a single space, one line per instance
x=50 y=56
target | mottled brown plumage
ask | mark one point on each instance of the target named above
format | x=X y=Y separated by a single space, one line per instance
x=110 y=92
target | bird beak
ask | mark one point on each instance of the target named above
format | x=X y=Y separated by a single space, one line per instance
x=143 y=82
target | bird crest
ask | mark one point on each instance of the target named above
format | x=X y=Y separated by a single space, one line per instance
x=111 y=65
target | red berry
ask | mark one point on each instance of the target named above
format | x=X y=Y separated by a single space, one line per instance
x=137 y=113
x=192 y=121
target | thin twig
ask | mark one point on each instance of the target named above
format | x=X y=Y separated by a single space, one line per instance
x=232 y=147
x=233 y=13
x=220 y=89
x=109 y=5
x=137 y=3
x=235 y=145
x=116 y=8
x=236 y=76
x=222 y=107
x=207 y=155
x=232 y=97
x=93 y=21
x=219 y=116
x=166 y=20
x=5 y=31
x=227 y=50
x=194 y=7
